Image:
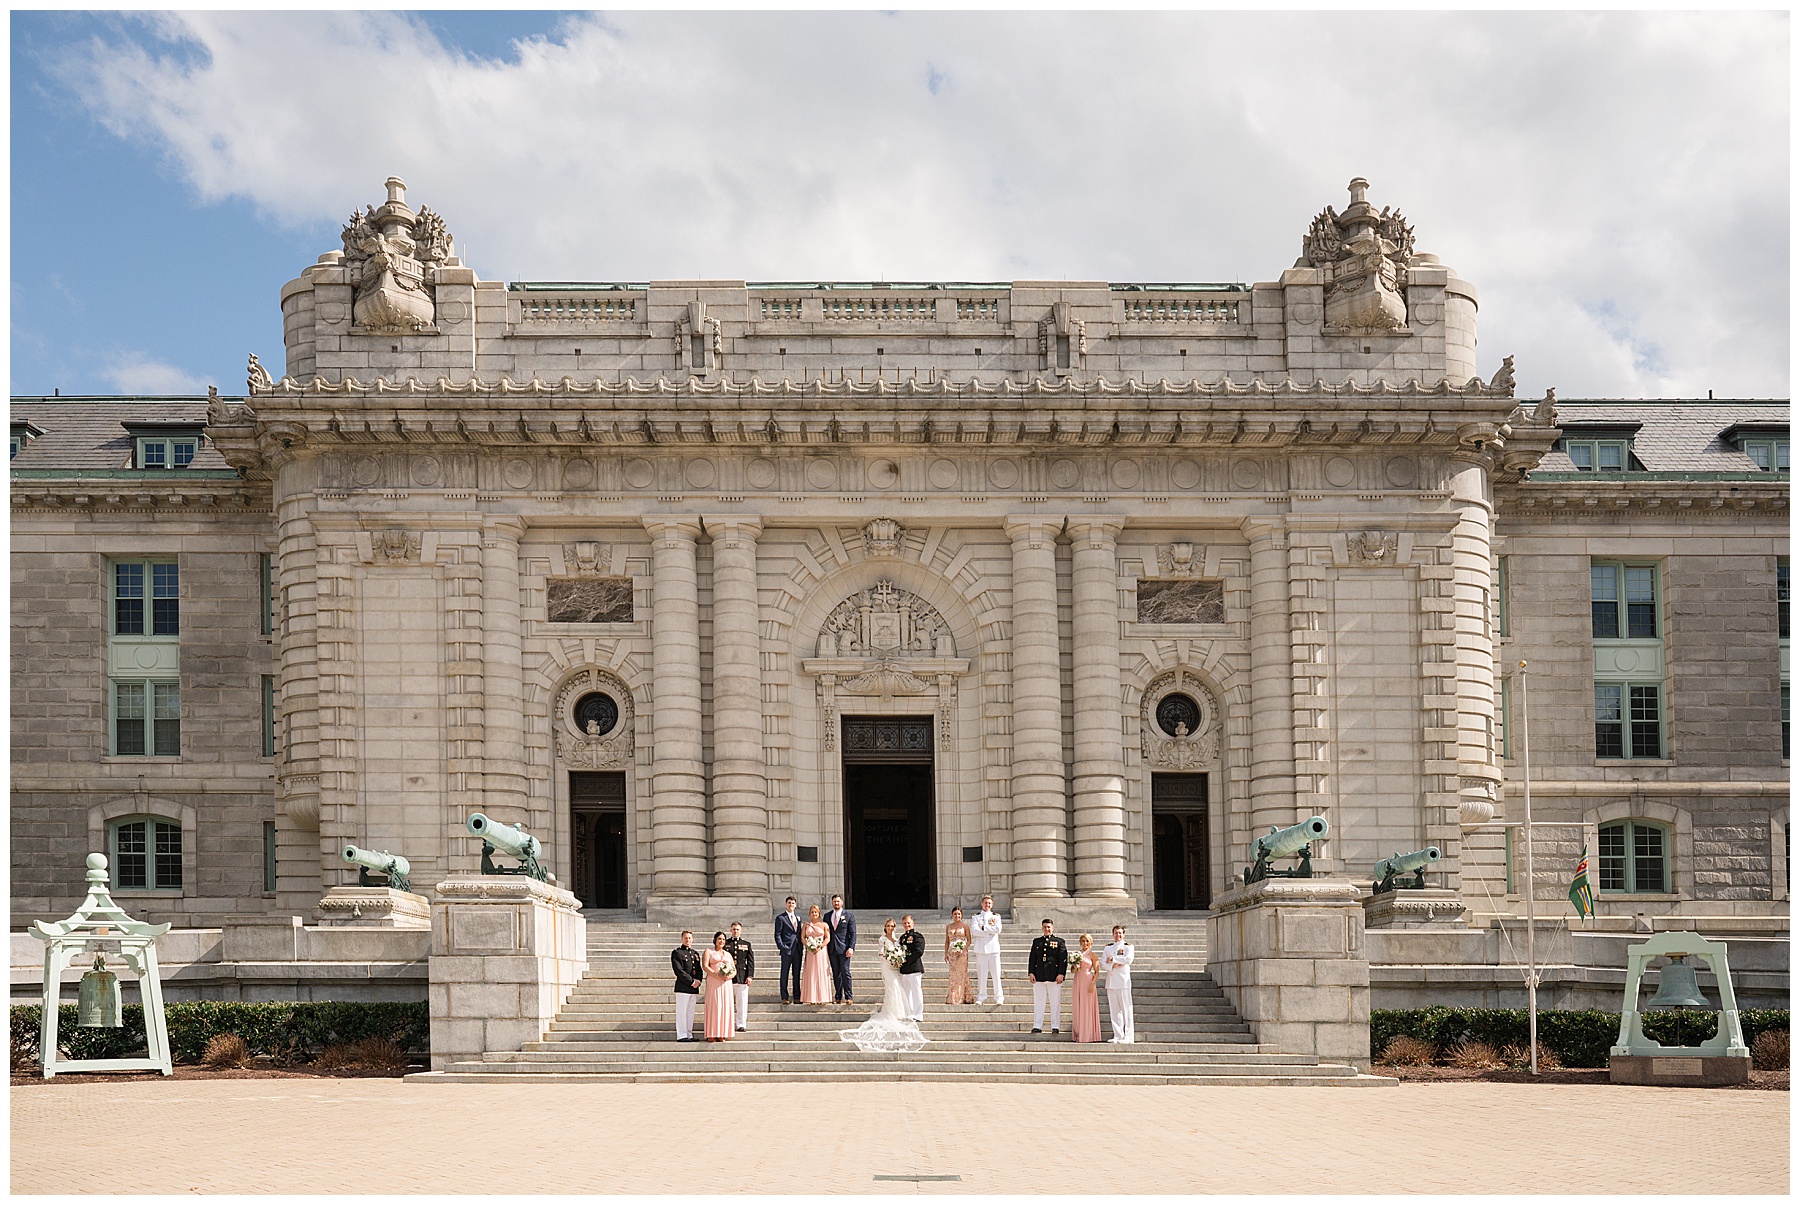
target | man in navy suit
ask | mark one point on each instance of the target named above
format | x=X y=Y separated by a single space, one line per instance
x=787 y=940
x=842 y=947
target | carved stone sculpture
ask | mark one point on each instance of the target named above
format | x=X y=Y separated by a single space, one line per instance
x=1185 y=748
x=1178 y=559
x=1545 y=412
x=397 y=544
x=258 y=376
x=1503 y=378
x=389 y=254
x=1363 y=256
x=883 y=537
x=886 y=623
x=587 y=557
x=1374 y=547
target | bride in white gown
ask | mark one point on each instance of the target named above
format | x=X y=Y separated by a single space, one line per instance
x=890 y=1030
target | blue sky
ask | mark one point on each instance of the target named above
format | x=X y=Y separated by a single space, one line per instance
x=1616 y=185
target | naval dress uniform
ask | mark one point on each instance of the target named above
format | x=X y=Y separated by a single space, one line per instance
x=1049 y=962
x=745 y=957
x=1116 y=961
x=686 y=963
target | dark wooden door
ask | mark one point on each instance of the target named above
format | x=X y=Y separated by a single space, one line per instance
x=1179 y=826
x=597 y=833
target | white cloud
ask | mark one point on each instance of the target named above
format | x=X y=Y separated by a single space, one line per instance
x=139 y=374
x=1615 y=184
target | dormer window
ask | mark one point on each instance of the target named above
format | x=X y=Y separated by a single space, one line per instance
x=164 y=445
x=22 y=434
x=1766 y=444
x=1599 y=455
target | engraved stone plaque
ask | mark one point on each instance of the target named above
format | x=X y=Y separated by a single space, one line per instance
x=590 y=599
x=1691 y=1067
x=1198 y=601
x=1311 y=933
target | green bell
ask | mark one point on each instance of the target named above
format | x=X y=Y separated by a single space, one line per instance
x=98 y=1003
x=1678 y=986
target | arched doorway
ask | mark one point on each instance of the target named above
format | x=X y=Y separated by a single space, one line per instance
x=890 y=838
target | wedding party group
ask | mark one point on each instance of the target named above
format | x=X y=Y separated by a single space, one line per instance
x=816 y=955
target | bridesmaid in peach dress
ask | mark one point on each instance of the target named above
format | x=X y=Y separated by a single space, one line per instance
x=1084 y=999
x=958 y=960
x=815 y=968
x=718 y=991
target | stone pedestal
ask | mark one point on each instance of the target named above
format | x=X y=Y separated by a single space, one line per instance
x=505 y=954
x=1289 y=955
x=1425 y=908
x=374 y=907
x=1678 y=1071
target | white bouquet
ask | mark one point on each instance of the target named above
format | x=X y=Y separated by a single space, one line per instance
x=896 y=954
x=728 y=968
x=958 y=945
x=814 y=944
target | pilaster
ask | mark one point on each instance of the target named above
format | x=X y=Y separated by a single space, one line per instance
x=740 y=793
x=1099 y=757
x=1039 y=801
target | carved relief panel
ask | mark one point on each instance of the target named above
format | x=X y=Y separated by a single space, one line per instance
x=592 y=716
x=1183 y=728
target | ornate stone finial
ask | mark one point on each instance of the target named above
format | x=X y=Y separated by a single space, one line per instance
x=258 y=376
x=1363 y=257
x=396 y=190
x=387 y=254
x=882 y=537
x=1545 y=413
x=1503 y=378
x=1359 y=191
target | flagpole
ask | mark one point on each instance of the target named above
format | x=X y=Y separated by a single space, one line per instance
x=1531 y=975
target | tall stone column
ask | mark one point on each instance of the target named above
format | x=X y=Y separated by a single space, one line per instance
x=677 y=777
x=740 y=794
x=1039 y=801
x=1271 y=681
x=1099 y=758
x=503 y=720
x=1476 y=784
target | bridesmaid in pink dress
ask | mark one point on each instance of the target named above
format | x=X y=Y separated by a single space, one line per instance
x=815 y=968
x=718 y=991
x=1085 y=996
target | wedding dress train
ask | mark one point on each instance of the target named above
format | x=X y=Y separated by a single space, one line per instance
x=890 y=1030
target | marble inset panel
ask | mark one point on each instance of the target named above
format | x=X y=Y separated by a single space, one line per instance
x=1194 y=601
x=590 y=599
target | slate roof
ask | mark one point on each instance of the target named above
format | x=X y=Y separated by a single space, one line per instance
x=1676 y=436
x=89 y=432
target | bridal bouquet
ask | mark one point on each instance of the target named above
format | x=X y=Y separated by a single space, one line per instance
x=814 y=944
x=895 y=954
x=728 y=968
x=958 y=945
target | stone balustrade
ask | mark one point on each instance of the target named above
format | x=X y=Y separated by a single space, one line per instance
x=1187 y=310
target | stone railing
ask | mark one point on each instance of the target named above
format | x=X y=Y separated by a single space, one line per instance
x=783 y=309
x=919 y=306
x=978 y=309
x=577 y=309
x=1187 y=309
x=908 y=308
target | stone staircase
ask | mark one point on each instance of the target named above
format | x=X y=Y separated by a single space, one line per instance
x=619 y=1023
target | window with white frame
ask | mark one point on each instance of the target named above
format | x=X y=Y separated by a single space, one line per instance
x=166 y=451
x=146 y=854
x=1634 y=858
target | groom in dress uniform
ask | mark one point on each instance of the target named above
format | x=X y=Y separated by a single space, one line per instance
x=1115 y=960
x=912 y=971
x=842 y=947
x=787 y=942
x=985 y=931
x=686 y=961
x=1049 y=963
x=745 y=958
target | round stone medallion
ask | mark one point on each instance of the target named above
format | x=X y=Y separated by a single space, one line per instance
x=578 y=473
x=1401 y=470
x=599 y=707
x=1305 y=315
x=453 y=311
x=1125 y=473
x=1339 y=471
x=760 y=473
x=517 y=473
x=942 y=474
x=364 y=470
x=1185 y=474
x=1246 y=474
x=1064 y=474
x=427 y=470
x=1426 y=313
x=821 y=474
x=700 y=473
x=1003 y=474
x=883 y=474
x=639 y=473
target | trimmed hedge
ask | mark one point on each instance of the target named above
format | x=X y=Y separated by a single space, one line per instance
x=1580 y=1037
x=287 y=1030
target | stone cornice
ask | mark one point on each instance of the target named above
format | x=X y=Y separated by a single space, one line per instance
x=1594 y=495
x=76 y=493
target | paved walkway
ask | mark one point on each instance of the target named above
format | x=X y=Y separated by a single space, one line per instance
x=322 y=1136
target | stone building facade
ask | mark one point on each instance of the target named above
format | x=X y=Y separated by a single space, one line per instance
x=1058 y=591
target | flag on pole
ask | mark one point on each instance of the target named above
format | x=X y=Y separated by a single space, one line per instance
x=1581 y=891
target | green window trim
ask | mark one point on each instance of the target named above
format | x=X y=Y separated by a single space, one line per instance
x=1506 y=720
x=1502 y=619
x=1633 y=859
x=146 y=718
x=1770 y=453
x=1625 y=600
x=268 y=595
x=1599 y=455
x=146 y=598
x=269 y=856
x=166 y=451
x=146 y=853
x=268 y=715
x=1628 y=721
x=1783 y=587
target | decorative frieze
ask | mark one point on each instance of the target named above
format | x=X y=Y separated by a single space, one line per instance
x=887 y=622
x=883 y=537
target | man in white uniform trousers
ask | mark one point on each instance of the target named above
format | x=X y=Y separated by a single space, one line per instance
x=1115 y=961
x=685 y=961
x=985 y=945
